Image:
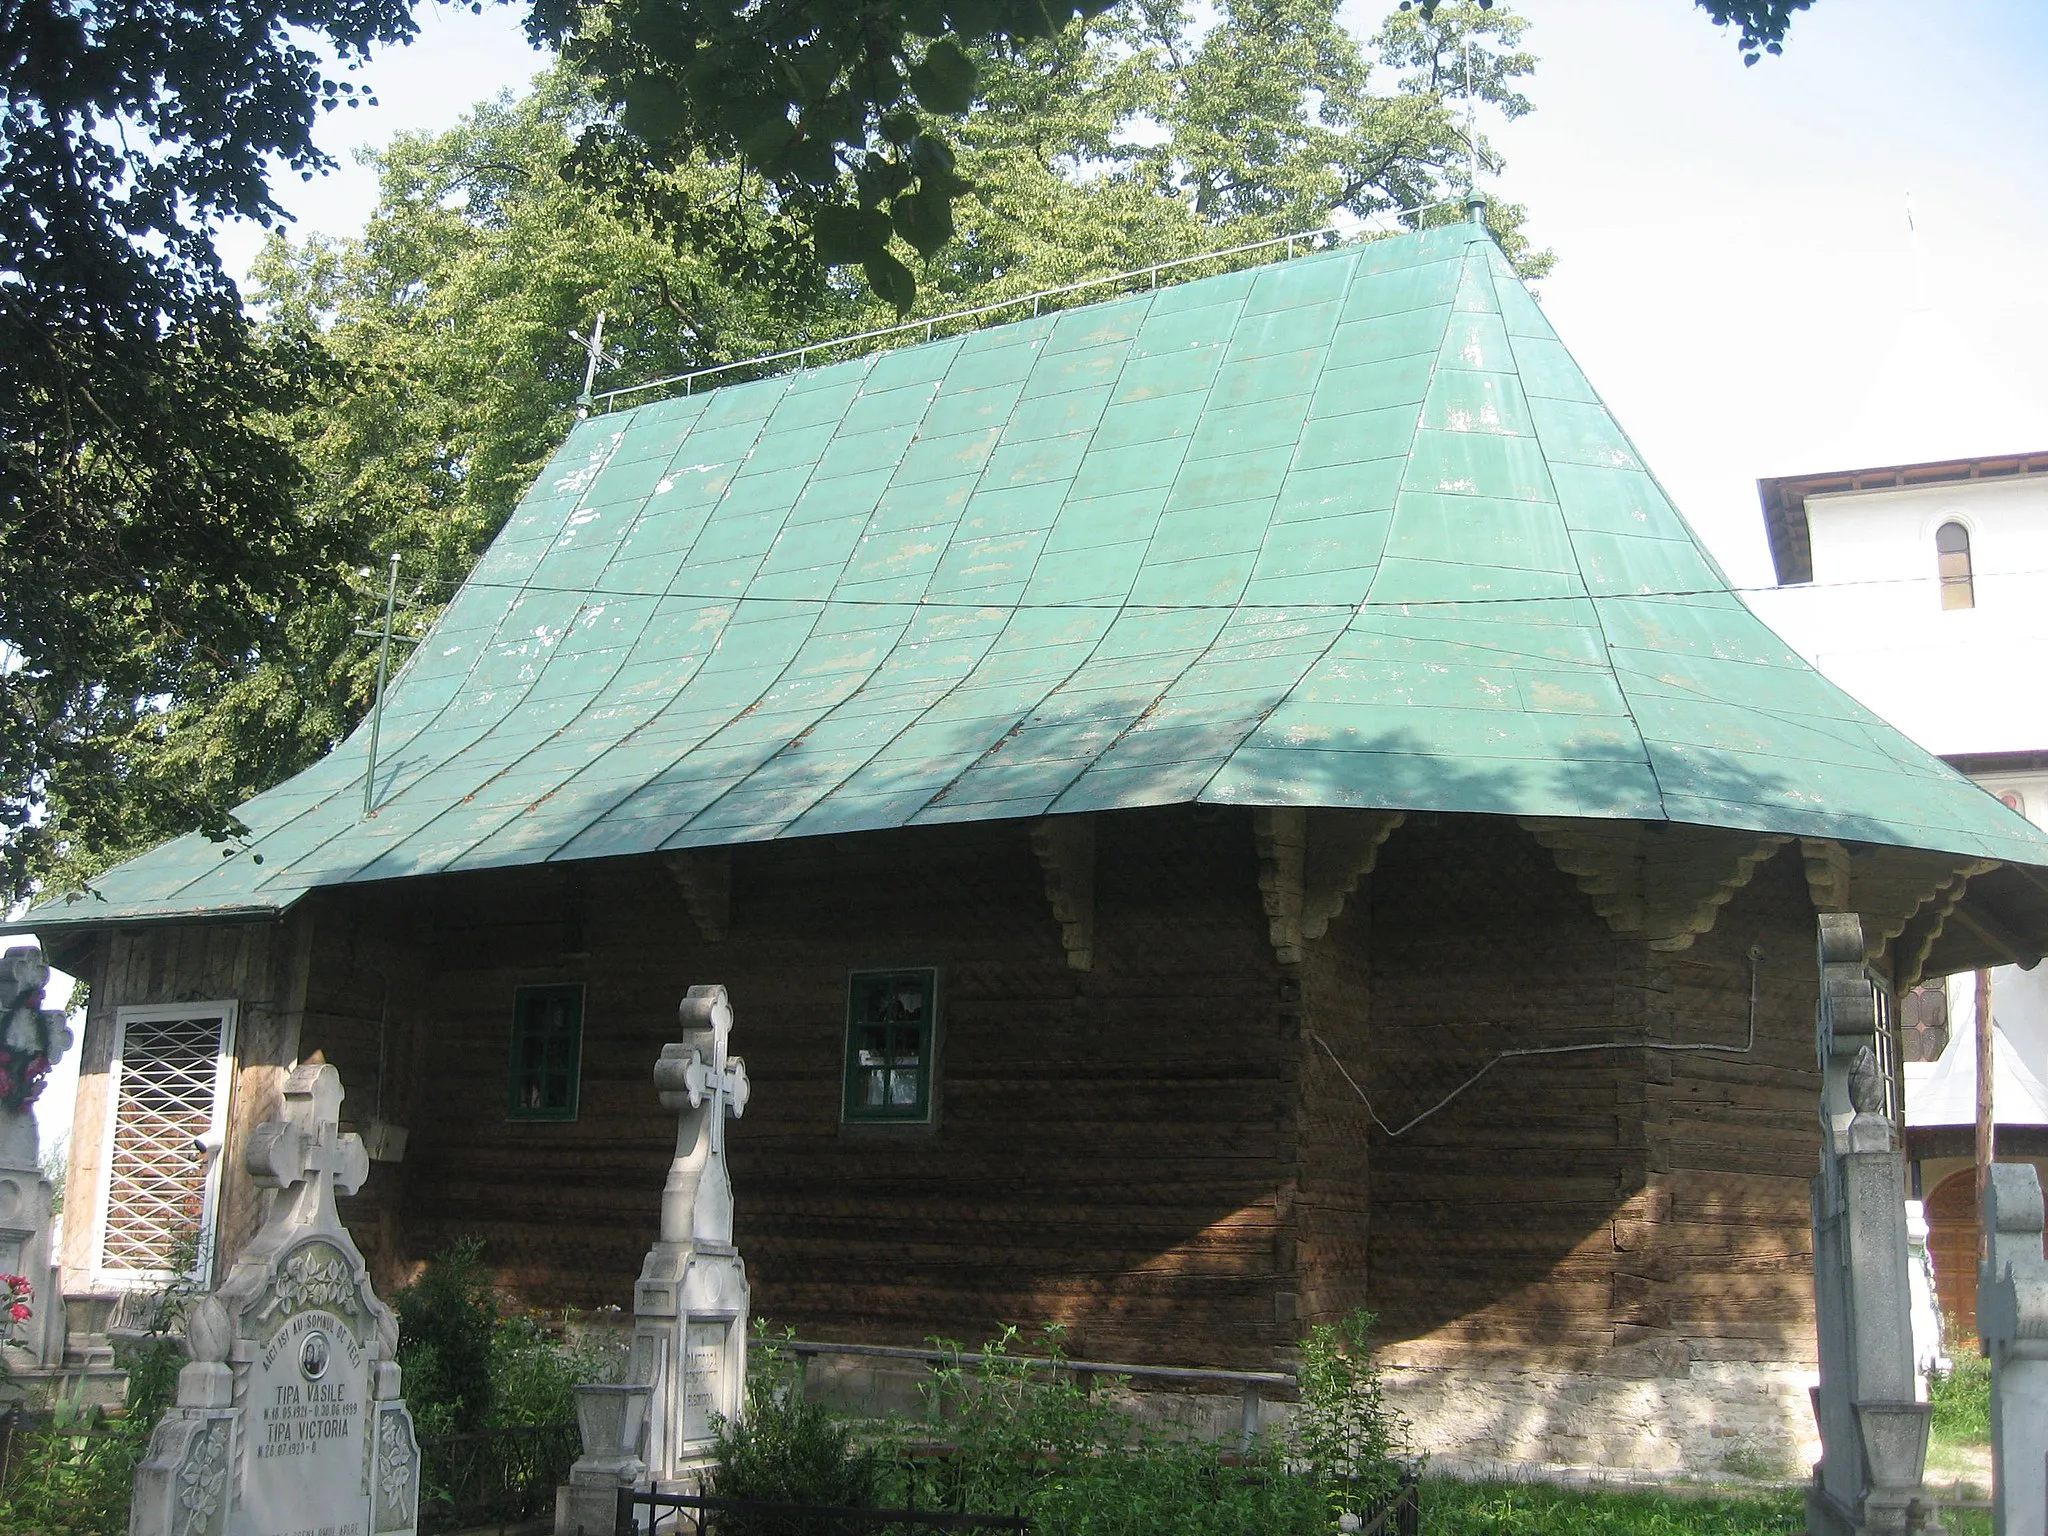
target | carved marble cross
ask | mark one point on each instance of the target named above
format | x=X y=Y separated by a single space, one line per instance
x=305 y=1155
x=702 y=1085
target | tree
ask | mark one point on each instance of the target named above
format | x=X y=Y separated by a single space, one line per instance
x=846 y=111
x=449 y=379
x=148 y=535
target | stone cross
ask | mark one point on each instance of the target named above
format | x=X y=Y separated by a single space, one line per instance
x=700 y=1084
x=32 y=1037
x=1873 y=1431
x=2012 y=1322
x=289 y=1418
x=305 y=1156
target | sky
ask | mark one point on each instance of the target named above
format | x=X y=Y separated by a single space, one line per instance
x=1735 y=269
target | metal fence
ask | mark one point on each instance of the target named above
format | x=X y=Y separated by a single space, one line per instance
x=711 y=1515
x=1400 y=1514
x=494 y=1476
x=1252 y=1388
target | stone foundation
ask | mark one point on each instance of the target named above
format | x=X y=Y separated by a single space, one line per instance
x=1715 y=1420
x=1711 y=1419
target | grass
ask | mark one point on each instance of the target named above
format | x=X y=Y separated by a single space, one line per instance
x=1527 y=1509
x=1962 y=1397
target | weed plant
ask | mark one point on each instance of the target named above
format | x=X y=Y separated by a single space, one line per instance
x=1026 y=1437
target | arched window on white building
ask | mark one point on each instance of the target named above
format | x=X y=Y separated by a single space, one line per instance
x=1952 y=552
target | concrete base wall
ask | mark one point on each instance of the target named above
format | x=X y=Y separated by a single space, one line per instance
x=1713 y=1420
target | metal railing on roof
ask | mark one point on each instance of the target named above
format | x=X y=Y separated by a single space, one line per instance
x=1326 y=238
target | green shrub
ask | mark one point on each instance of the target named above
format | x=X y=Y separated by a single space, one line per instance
x=1962 y=1396
x=447 y=1330
x=785 y=1450
x=79 y=1473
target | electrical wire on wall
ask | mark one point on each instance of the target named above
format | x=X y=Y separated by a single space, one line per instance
x=1756 y=956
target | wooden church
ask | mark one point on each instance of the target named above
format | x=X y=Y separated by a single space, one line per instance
x=1126 y=765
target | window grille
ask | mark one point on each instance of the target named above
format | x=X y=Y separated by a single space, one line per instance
x=169 y=1096
x=1952 y=555
x=547 y=1052
x=1923 y=1019
x=889 y=1033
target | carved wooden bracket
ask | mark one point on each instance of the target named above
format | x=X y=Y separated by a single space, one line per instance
x=1065 y=846
x=1827 y=873
x=704 y=876
x=1895 y=890
x=1664 y=881
x=1309 y=862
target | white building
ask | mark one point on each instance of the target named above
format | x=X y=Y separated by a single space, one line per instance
x=1923 y=590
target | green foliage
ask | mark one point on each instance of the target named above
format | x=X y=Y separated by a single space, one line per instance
x=1961 y=1397
x=76 y=1476
x=447 y=1326
x=533 y=1377
x=1035 y=1440
x=149 y=541
x=1261 y=117
x=467 y=1368
x=839 y=110
x=786 y=1450
x=1344 y=1433
x=847 y=110
x=1540 y=1509
x=56 y=1164
x=79 y=1473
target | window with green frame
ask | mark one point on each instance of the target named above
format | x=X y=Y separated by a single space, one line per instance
x=890 y=1019
x=547 y=1052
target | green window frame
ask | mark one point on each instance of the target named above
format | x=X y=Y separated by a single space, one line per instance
x=891 y=1028
x=546 y=1059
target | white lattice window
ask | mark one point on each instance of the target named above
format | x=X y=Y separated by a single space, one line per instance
x=168 y=1089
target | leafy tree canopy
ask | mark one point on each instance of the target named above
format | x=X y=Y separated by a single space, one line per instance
x=148 y=536
x=851 y=114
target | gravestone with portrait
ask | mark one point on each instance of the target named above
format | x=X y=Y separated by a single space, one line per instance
x=289 y=1420
x=32 y=1037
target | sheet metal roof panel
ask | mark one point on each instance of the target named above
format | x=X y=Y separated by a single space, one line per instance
x=1347 y=530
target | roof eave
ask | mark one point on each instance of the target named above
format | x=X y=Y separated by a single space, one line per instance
x=1784 y=497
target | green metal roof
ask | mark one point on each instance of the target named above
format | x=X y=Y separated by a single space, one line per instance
x=1346 y=530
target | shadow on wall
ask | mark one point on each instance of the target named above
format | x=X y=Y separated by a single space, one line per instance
x=1111 y=1151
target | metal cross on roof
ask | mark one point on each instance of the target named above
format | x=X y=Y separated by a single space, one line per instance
x=599 y=356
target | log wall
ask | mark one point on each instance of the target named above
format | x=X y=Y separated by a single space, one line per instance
x=1159 y=1153
x=1110 y=1146
x=261 y=966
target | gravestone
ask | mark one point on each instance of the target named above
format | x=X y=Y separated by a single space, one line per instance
x=688 y=1366
x=289 y=1420
x=2012 y=1322
x=32 y=1037
x=1873 y=1431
